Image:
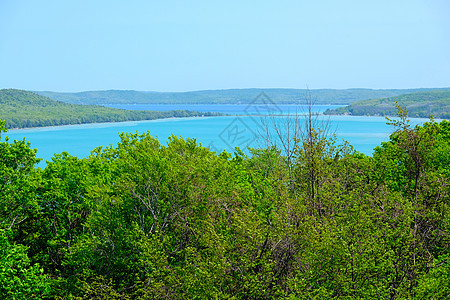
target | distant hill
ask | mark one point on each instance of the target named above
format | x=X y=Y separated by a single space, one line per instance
x=231 y=96
x=422 y=105
x=22 y=109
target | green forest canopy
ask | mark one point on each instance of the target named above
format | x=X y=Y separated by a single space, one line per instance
x=230 y=96
x=145 y=220
x=422 y=105
x=22 y=109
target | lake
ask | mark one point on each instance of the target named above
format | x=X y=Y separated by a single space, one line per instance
x=224 y=132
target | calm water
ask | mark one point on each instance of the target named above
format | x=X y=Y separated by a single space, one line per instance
x=364 y=133
x=258 y=108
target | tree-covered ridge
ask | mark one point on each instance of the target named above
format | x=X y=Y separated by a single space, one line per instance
x=22 y=109
x=422 y=105
x=230 y=96
x=146 y=220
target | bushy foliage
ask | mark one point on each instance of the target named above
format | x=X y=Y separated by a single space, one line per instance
x=19 y=279
x=145 y=220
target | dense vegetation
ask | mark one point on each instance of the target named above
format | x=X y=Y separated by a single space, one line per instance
x=22 y=109
x=232 y=96
x=144 y=220
x=422 y=105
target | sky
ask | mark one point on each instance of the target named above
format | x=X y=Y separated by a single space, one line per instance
x=170 y=45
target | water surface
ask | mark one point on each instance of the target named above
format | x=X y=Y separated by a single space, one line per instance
x=220 y=133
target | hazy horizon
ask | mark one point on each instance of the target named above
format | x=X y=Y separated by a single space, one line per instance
x=176 y=46
x=228 y=89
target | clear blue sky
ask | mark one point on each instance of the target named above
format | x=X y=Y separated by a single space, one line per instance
x=192 y=45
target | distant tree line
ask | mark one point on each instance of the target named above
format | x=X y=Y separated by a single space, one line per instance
x=419 y=105
x=22 y=109
x=229 y=96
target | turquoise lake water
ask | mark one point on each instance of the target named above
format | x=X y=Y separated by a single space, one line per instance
x=225 y=132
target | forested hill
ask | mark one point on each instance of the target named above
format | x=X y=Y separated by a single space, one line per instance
x=22 y=109
x=230 y=96
x=422 y=105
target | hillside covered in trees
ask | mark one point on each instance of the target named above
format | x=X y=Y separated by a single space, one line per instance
x=149 y=220
x=231 y=96
x=420 y=105
x=22 y=109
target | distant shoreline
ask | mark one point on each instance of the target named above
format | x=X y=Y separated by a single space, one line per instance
x=245 y=96
x=187 y=118
x=112 y=122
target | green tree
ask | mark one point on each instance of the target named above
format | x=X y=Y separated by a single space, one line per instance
x=19 y=279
